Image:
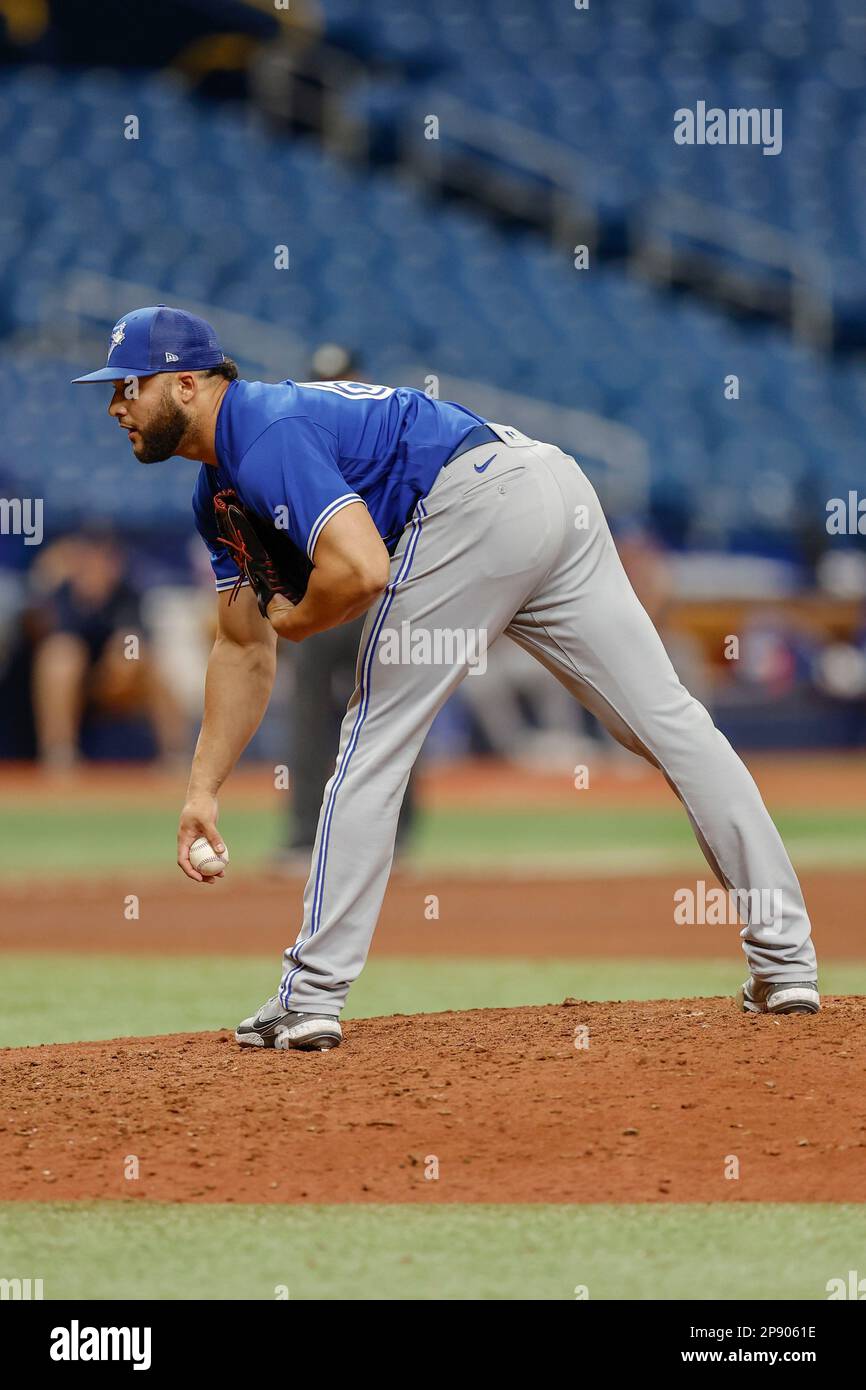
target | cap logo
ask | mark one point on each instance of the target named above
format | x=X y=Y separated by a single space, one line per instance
x=172 y=357
x=117 y=337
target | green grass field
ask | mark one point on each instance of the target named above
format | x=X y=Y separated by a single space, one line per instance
x=136 y=996
x=112 y=1250
x=582 y=839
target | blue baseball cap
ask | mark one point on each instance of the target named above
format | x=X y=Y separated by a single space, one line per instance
x=158 y=339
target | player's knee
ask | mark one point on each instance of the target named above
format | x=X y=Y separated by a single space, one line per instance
x=61 y=654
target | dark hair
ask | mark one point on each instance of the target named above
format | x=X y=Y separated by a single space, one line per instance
x=226 y=369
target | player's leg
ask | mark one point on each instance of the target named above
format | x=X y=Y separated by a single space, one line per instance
x=587 y=626
x=475 y=550
x=117 y=684
x=59 y=674
x=323 y=677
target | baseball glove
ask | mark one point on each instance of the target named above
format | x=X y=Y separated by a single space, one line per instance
x=263 y=553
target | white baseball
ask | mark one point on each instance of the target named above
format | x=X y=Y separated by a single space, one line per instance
x=205 y=859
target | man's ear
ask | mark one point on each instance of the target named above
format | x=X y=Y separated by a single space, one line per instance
x=187 y=385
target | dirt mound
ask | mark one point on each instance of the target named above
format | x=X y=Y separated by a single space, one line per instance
x=665 y=1099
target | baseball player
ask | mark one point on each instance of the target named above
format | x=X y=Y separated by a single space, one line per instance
x=448 y=531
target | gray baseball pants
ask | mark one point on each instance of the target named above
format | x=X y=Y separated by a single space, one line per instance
x=520 y=548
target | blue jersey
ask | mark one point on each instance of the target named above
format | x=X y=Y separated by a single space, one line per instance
x=297 y=452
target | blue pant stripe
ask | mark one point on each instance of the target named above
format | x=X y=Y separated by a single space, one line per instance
x=366 y=665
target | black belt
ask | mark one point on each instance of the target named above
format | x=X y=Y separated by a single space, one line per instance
x=479 y=434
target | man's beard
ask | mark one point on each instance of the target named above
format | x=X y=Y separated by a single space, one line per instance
x=163 y=435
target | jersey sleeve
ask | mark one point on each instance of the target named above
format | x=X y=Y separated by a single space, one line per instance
x=225 y=570
x=290 y=475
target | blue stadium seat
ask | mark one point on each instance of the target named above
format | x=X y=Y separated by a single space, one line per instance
x=377 y=265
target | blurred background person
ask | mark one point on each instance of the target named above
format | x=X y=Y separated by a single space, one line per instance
x=92 y=659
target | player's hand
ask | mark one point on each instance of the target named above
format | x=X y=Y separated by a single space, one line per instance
x=280 y=613
x=198 y=817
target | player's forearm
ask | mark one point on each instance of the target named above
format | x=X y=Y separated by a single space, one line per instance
x=237 y=690
x=332 y=598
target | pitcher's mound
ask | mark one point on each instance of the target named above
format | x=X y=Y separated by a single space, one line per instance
x=685 y=1100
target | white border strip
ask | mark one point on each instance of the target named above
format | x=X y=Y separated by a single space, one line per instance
x=325 y=516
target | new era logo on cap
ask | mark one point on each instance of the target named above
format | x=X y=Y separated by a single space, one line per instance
x=158 y=339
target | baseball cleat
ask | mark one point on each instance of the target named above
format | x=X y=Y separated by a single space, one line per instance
x=274 y=1026
x=780 y=996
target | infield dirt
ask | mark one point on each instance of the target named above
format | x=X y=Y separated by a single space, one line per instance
x=480 y=915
